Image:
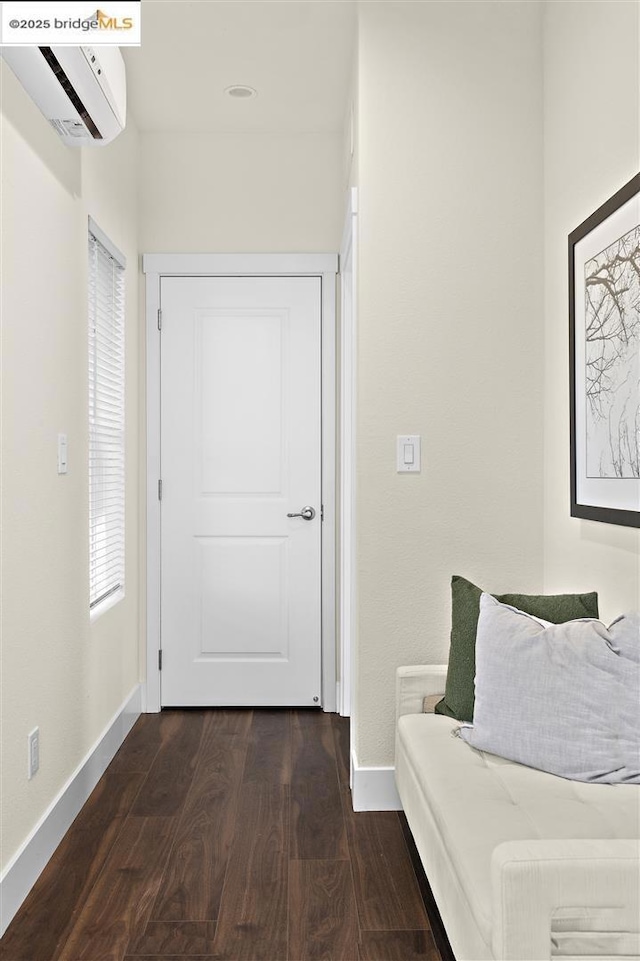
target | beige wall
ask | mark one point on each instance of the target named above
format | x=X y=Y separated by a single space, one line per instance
x=240 y=193
x=592 y=148
x=450 y=326
x=58 y=672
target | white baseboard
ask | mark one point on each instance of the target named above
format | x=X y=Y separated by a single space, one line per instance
x=27 y=864
x=373 y=788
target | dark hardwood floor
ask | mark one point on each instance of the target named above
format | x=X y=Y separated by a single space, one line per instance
x=220 y=835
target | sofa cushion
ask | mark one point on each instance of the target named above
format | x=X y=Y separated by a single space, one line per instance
x=559 y=697
x=478 y=800
x=465 y=608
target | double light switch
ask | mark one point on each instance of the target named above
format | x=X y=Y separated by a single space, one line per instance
x=408 y=453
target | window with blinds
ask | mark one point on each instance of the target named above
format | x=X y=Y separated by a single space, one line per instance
x=106 y=419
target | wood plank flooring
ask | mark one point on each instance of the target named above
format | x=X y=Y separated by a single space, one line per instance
x=227 y=836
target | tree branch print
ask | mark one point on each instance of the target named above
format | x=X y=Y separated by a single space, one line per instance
x=612 y=359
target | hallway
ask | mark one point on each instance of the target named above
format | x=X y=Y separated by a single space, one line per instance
x=227 y=834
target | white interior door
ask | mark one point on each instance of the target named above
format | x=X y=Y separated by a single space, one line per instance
x=240 y=451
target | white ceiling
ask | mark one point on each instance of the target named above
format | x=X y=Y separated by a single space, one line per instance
x=296 y=53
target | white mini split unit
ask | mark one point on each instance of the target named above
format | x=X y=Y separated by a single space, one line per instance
x=81 y=91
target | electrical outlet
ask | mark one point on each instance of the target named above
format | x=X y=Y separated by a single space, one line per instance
x=63 y=466
x=34 y=751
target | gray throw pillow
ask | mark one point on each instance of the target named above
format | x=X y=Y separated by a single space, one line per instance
x=465 y=610
x=563 y=698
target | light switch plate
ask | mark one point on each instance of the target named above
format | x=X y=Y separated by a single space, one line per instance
x=408 y=454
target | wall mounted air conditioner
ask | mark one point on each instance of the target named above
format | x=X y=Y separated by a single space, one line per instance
x=81 y=90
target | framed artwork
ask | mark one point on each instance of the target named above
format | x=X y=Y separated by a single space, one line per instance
x=604 y=356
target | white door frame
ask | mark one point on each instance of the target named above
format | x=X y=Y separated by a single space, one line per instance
x=348 y=354
x=325 y=266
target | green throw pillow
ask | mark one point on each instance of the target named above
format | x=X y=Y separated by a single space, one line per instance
x=465 y=609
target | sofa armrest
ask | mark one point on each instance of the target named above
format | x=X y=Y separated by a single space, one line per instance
x=542 y=887
x=415 y=683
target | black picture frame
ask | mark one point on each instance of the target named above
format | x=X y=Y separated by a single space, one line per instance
x=604 y=486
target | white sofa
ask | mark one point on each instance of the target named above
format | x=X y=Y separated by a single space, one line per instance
x=523 y=865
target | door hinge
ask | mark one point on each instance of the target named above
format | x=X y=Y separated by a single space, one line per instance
x=160 y=489
x=159 y=318
x=160 y=659
x=321 y=512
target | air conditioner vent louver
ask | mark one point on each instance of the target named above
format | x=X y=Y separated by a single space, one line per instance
x=68 y=88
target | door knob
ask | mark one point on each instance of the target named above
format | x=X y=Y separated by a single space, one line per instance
x=307 y=514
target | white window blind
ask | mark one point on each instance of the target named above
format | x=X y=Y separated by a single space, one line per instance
x=106 y=419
